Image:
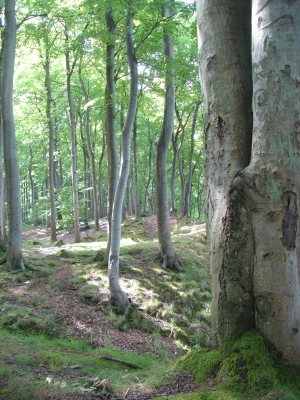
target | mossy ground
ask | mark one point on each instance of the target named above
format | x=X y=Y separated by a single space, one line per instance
x=247 y=369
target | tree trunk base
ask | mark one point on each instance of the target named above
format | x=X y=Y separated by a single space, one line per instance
x=170 y=263
x=16 y=264
x=120 y=304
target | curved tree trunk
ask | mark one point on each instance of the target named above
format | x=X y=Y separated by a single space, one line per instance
x=118 y=300
x=51 y=148
x=166 y=255
x=13 y=257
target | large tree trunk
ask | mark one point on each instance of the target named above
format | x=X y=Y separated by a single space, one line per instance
x=51 y=148
x=272 y=178
x=253 y=208
x=13 y=257
x=118 y=300
x=224 y=33
x=166 y=254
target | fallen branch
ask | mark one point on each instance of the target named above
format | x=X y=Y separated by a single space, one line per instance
x=128 y=364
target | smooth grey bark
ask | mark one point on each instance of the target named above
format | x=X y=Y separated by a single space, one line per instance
x=147 y=184
x=13 y=257
x=137 y=208
x=102 y=212
x=110 y=122
x=2 y=176
x=70 y=70
x=188 y=190
x=32 y=185
x=90 y=150
x=224 y=37
x=118 y=300
x=166 y=252
x=272 y=178
x=175 y=137
x=51 y=147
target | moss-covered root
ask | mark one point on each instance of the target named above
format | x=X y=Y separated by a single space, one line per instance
x=247 y=363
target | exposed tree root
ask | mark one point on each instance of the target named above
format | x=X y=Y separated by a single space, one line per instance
x=16 y=264
x=170 y=263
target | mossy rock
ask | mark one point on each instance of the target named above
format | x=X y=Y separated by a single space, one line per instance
x=89 y=294
x=63 y=254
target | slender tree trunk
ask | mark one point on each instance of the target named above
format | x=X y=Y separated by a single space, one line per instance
x=136 y=172
x=118 y=300
x=166 y=255
x=33 y=192
x=73 y=147
x=188 y=193
x=102 y=212
x=181 y=175
x=51 y=148
x=13 y=257
x=110 y=123
x=2 y=180
x=90 y=150
x=173 y=174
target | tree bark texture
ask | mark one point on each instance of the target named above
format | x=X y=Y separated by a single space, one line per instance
x=272 y=178
x=253 y=208
x=118 y=300
x=224 y=38
x=13 y=258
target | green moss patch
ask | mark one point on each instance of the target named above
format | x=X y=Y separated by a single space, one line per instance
x=245 y=365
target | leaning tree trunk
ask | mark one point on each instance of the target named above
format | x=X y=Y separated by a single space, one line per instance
x=118 y=300
x=51 y=148
x=224 y=34
x=272 y=178
x=14 y=259
x=166 y=252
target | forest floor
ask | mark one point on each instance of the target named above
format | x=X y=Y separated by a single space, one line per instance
x=59 y=340
x=65 y=297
